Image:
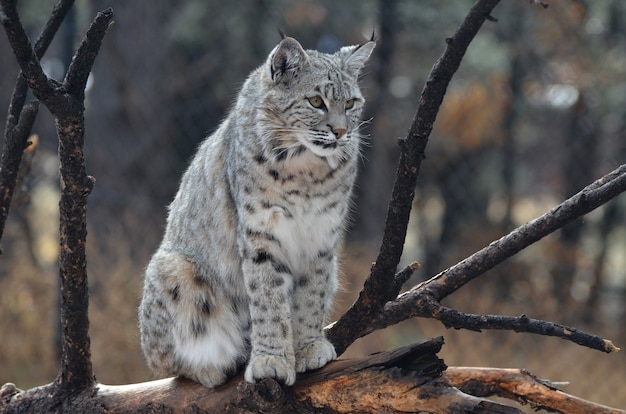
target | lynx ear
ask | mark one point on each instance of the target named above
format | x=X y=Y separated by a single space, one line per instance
x=356 y=56
x=286 y=60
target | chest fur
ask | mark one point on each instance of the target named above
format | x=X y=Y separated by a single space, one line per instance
x=300 y=207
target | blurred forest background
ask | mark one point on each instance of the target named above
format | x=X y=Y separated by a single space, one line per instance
x=536 y=112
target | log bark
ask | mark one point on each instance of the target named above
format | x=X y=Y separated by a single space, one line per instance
x=522 y=386
x=409 y=379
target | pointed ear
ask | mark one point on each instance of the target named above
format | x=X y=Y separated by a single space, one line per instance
x=286 y=60
x=356 y=56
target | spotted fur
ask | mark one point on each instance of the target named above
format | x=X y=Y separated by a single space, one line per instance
x=247 y=268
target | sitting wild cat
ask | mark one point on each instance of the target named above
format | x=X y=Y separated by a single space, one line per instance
x=247 y=269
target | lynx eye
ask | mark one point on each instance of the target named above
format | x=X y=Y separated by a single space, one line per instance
x=317 y=102
x=350 y=103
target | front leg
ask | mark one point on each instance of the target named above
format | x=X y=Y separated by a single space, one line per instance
x=311 y=302
x=268 y=285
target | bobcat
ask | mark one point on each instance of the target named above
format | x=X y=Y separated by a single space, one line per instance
x=247 y=269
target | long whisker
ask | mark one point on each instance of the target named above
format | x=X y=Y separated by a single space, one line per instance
x=364 y=122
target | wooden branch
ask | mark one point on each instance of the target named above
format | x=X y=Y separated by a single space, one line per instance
x=424 y=299
x=588 y=199
x=454 y=319
x=20 y=118
x=379 y=287
x=408 y=379
x=76 y=369
x=43 y=88
x=66 y=102
x=85 y=57
x=520 y=385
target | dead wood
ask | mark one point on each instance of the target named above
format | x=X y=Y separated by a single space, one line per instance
x=408 y=379
x=66 y=103
x=522 y=386
x=21 y=116
x=379 y=287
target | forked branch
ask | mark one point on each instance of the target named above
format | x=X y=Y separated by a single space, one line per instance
x=379 y=286
x=379 y=305
x=20 y=118
x=66 y=102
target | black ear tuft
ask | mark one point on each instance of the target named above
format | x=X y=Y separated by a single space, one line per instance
x=354 y=57
x=282 y=34
x=373 y=38
x=286 y=61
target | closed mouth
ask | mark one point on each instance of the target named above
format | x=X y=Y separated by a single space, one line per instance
x=325 y=144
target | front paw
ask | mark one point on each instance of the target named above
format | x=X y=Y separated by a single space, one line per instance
x=315 y=355
x=270 y=366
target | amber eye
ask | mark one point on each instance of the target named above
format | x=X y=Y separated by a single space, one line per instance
x=350 y=103
x=317 y=102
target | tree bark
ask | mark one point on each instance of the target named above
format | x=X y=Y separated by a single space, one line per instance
x=522 y=386
x=76 y=369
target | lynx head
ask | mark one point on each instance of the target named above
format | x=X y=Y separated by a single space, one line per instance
x=312 y=101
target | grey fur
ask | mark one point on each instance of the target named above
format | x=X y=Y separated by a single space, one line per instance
x=247 y=269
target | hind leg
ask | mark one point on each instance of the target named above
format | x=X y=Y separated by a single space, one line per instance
x=186 y=328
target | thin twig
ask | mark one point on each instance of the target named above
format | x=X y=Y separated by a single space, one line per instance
x=454 y=319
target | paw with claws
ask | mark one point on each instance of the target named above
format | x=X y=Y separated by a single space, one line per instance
x=270 y=366
x=314 y=355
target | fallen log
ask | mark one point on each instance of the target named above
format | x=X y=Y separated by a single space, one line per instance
x=408 y=379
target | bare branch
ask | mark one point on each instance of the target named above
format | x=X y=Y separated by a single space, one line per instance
x=43 y=87
x=454 y=319
x=520 y=385
x=78 y=72
x=20 y=119
x=423 y=299
x=379 y=287
x=588 y=199
x=76 y=369
x=66 y=102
